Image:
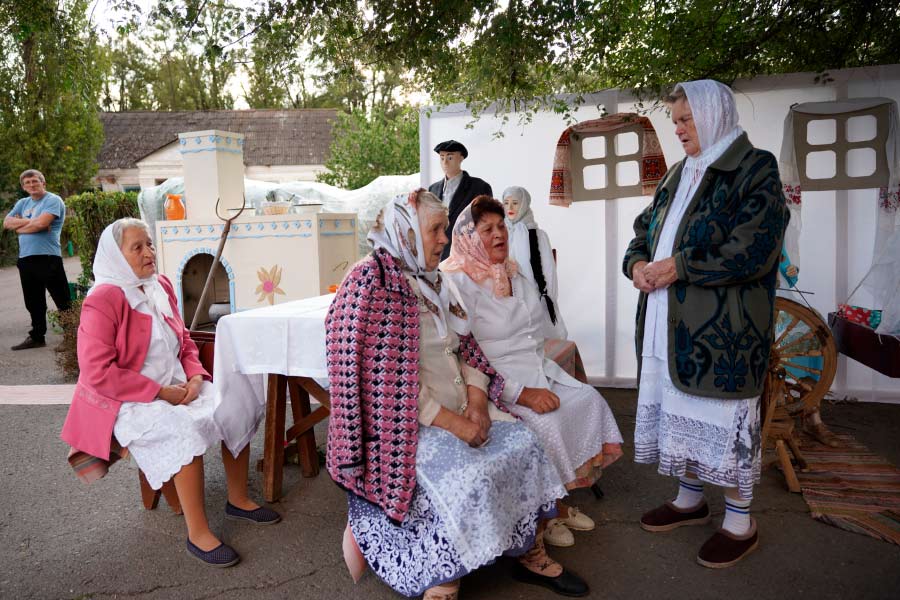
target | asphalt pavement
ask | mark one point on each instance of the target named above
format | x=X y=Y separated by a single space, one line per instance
x=60 y=538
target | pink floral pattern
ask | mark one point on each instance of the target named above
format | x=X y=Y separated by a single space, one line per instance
x=468 y=254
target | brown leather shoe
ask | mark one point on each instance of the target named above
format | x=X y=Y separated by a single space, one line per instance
x=724 y=548
x=668 y=517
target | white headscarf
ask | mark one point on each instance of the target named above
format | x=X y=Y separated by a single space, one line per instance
x=110 y=267
x=519 y=242
x=525 y=216
x=400 y=234
x=716 y=119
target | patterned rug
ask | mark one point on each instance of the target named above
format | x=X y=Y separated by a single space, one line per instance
x=852 y=488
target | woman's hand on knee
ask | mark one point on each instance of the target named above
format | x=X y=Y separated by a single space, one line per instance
x=539 y=400
x=173 y=394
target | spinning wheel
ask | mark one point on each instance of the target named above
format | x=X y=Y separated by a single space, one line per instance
x=806 y=351
x=802 y=365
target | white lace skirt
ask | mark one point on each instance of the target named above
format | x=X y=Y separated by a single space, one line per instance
x=162 y=438
x=575 y=432
x=717 y=440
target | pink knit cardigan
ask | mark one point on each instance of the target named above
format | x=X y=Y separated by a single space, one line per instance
x=372 y=347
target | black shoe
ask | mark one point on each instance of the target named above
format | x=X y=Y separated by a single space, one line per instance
x=221 y=556
x=564 y=584
x=260 y=516
x=29 y=342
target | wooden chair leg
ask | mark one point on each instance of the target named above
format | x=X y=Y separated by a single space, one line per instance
x=273 y=454
x=795 y=450
x=306 y=443
x=171 y=496
x=149 y=496
x=787 y=468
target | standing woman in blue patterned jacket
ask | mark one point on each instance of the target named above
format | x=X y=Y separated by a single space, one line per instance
x=705 y=258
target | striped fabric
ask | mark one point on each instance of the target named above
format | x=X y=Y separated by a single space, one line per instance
x=852 y=488
x=566 y=355
x=90 y=468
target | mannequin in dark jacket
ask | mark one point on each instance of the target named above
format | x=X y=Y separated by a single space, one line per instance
x=457 y=188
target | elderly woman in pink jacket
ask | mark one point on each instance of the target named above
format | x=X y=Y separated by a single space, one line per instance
x=141 y=383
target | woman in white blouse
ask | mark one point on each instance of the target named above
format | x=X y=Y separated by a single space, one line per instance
x=142 y=383
x=505 y=314
x=529 y=246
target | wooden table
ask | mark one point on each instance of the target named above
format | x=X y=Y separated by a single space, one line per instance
x=263 y=357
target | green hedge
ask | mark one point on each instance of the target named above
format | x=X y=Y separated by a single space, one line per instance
x=9 y=241
x=88 y=215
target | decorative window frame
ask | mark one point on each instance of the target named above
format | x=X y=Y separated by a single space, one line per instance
x=841 y=147
x=610 y=160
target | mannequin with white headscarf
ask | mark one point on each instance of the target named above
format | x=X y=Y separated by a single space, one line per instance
x=529 y=246
x=705 y=258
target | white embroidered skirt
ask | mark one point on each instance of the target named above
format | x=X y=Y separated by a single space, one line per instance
x=717 y=440
x=576 y=431
x=162 y=438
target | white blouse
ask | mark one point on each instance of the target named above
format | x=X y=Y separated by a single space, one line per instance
x=510 y=332
x=520 y=251
x=656 y=328
x=162 y=364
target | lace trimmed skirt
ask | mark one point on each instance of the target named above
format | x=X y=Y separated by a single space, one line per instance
x=717 y=440
x=581 y=436
x=162 y=438
x=470 y=506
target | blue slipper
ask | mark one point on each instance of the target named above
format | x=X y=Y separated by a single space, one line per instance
x=260 y=516
x=221 y=556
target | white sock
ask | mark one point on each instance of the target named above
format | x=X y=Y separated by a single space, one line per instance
x=737 y=516
x=690 y=493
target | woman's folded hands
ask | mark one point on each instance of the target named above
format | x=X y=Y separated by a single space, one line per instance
x=181 y=393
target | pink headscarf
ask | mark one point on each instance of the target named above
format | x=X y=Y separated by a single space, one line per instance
x=468 y=254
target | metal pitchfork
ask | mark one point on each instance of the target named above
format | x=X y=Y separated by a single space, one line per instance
x=212 y=269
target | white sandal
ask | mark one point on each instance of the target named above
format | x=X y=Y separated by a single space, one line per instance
x=578 y=521
x=557 y=534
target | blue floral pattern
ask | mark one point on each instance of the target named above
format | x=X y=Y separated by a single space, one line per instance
x=721 y=309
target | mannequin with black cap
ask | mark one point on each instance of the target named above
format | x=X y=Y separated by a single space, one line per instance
x=457 y=188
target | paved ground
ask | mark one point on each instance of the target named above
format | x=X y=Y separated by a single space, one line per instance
x=35 y=366
x=62 y=539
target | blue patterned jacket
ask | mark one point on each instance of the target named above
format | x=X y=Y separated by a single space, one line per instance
x=721 y=309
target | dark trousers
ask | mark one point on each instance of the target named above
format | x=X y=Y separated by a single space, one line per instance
x=41 y=274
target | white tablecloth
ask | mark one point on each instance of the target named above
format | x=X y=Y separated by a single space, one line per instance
x=287 y=339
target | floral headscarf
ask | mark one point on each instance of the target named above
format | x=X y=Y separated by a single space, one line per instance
x=399 y=232
x=468 y=254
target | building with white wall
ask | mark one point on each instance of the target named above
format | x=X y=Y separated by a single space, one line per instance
x=140 y=148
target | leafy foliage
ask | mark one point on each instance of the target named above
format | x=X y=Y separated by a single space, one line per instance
x=521 y=53
x=67 y=351
x=50 y=80
x=366 y=146
x=89 y=214
x=9 y=241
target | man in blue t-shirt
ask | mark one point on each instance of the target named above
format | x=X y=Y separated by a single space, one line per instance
x=38 y=221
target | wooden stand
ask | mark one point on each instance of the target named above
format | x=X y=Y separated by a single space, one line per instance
x=778 y=426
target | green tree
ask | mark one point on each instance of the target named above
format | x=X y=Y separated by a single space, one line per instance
x=50 y=84
x=366 y=146
x=521 y=53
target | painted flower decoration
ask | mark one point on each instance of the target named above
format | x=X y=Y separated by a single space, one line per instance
x=268 y=286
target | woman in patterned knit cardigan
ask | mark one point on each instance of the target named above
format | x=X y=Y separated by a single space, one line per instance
x=439 y=481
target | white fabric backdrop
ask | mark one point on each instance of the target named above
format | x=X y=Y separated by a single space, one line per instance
x=590 y=237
